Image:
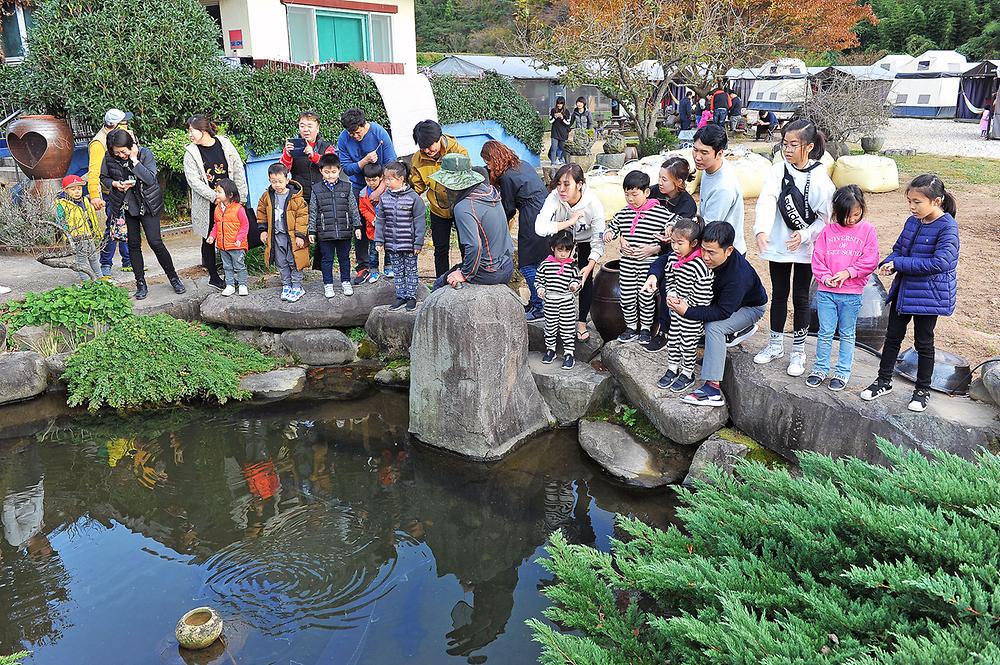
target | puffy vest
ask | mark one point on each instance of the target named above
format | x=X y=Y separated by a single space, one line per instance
x=332 y=220
x=227 y=227
x=305 y=172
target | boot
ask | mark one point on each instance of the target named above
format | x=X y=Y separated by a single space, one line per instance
x=178 y=286
x=141 y=291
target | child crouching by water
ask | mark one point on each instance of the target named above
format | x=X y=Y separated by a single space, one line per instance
x=557 y=282
x=685 y=277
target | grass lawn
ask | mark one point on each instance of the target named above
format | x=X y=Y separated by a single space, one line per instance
x=953 y=170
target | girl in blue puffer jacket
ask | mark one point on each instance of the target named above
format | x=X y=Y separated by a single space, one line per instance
x=924 y=261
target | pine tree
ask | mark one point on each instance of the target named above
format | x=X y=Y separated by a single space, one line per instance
x=848 y=563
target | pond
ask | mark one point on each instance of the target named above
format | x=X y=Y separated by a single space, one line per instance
x=317 y=529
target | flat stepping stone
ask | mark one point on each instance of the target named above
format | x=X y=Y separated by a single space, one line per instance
x=571 y=394
x=630 y=461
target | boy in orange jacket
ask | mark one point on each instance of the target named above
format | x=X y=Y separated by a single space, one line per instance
x=368 y=206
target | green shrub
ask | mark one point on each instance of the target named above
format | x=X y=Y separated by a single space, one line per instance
x=82 y=310
x=491 y=97
x=159 y=360
x=850 y=563
x=14 y=658
x=255 y=263
x=157 y=59
x=169 y=149
x=664 y=139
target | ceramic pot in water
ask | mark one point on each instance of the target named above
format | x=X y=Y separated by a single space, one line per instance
x=872 y=320
x=199 y=628
x=606 y=310
x=42 y=145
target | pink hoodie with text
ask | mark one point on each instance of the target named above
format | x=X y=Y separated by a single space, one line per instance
x=851 y=248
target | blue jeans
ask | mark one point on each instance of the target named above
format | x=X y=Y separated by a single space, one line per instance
x=836 y=310
x=373 y=257
x=529 y=272
x=108 y=251
x=234 y=266
x=342 y=250
x=556 y=151
x=720 y=117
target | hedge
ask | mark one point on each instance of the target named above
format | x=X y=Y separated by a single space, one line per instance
x=491 y=97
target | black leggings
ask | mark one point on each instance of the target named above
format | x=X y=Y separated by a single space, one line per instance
x=782 y=280
x=923 y=342
x=209 y=261
x=150 y=225
x=587 y=292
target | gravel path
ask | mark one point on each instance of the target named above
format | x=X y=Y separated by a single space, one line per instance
x=940 y=137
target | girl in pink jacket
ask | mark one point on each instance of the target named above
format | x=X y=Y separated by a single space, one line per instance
x=845 y=253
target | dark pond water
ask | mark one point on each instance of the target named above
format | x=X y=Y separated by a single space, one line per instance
x=316 y=529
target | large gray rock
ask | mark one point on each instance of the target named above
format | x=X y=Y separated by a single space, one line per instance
x=263 y=340
x=628 y=460
x=276 y=384
x=470 y=388
x=716 y=451
x=23 y=374
x=263 y=308
x=783 y=414
x=396 y=377
x=33 y=338
x=392 y=330
x=637 y=370
x=991 y=381
x=585 y=351
x=319 y=346
x=571 y=394
x=163 y=300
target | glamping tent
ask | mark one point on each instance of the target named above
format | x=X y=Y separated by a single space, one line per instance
x=741 y=82
x=781 y=86
x=893 y=63
x=978 y=85
x=928 y=86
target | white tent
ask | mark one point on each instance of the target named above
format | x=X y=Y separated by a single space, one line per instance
x=741 y=81
x=781 y=86
x=893 y=63
x=927 y=87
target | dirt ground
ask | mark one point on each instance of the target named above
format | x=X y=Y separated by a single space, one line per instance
x=974 y=330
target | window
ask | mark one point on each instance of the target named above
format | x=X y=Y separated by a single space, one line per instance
x=338 y=36
x=15 y=23
x=923 y=65
x=924 y=99
x=796 y=70
x=773 y=96
x=760 y=95
x=901 y=99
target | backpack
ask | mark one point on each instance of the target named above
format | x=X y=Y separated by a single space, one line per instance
x=793 y=204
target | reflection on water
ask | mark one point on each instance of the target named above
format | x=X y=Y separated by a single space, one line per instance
x=319 y=532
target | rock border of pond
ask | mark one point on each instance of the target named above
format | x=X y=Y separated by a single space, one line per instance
x=763 y=401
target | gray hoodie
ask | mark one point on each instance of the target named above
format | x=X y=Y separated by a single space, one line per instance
x=482 y=231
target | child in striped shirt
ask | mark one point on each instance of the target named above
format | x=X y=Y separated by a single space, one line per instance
x=686 y=276
x=637 y=224
x=557 y=282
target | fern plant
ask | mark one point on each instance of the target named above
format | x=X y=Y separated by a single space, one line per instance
x=849 y=563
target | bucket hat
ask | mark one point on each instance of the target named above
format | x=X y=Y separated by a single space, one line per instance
x=456 y=172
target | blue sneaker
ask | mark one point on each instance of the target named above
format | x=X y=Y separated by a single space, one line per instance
x=285 y=291
x=295 y=293
x=535 y=314
x=705 y=396
x=373 y=277
x=389 y=273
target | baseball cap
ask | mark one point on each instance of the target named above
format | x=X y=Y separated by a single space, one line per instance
x=115 y=117
x=73 y=181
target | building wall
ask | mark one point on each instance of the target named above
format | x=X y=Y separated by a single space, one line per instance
x=404 y=36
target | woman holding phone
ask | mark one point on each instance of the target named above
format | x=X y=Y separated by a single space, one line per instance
x=208 y=159
x=128 y=172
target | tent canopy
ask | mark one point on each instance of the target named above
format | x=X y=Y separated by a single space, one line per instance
x=514 y=67
x=979 y=83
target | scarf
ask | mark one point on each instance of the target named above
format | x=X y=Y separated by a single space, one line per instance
x=562 y=262
x=640 y=212
x=696 y=254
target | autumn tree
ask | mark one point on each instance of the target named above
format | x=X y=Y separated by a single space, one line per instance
x=691 y=41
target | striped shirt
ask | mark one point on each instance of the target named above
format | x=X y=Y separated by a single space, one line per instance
x=652 y=221
x=690 y=280
x=548 y=277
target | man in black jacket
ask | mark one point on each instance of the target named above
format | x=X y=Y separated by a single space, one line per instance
x=738 y=302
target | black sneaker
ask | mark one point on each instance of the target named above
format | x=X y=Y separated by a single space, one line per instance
x=400 y=302
x=178 y=285
x=837 y=384
x=815 y=380
x=411 y=304
x=667 y=379
x=918 y=402
x=735 y=338
x=656 y=343
x=681 y=383
x=568 y=362
x=628 y=336
x=217 y=284
x=644 y=337
x=361 y=276
x=876 y=390
x=141 y=290
x=548 y=357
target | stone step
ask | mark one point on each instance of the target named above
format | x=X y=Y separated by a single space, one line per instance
x=574 y=393
x=629 y=460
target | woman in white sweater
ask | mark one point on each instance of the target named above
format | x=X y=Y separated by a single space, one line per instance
x=791 y=210
x=571 y=205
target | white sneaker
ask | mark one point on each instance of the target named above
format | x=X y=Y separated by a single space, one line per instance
x=769 y=353
x=797 y=364
x=346 y=288
x=328 y=290
x=229 y=290
x=243 y=290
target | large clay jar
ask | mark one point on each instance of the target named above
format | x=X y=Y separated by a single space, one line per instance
x=42 y=145
x=873 y=319
x=199 y=628
x=606 y=310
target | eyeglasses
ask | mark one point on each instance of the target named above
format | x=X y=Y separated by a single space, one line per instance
x=792 y=146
